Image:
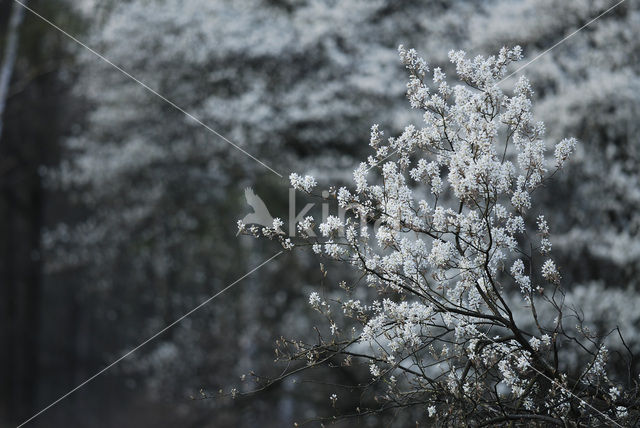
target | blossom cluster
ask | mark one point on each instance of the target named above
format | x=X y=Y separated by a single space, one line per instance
x=451 y=247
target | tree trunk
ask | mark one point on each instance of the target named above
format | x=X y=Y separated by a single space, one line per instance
x=9 y=58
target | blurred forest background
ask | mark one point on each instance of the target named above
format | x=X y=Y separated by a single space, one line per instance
x=118 y=213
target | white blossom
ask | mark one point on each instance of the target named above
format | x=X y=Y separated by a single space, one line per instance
x=524 y=281
x=314 y=299
x=375 y=370
x=549 y=271
x=333 y=398
x=330 y=226
x=431 y=410
x=441 y=253
x=306 y=183
x=563 y=149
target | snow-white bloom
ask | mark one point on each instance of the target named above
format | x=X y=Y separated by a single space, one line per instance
x=287 y=244
x=622 y=412
x=441 y=253
x=545 y=246
x=549 y=271
x=306 y=225
x=314 y=299
x=375 y=370
x=331 y=225
x=521 y=199
x=334 y=250
x=412 y=61
x=360 y=177
x=431 y=410
x=614 y=392
x=334 y=328
x=543 y=226
x=535 y=343
x=524 y=281
x=305 y=184
x=334 y=399
x=563 y=149
x=344 y=197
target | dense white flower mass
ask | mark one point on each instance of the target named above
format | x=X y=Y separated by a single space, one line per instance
x=454 y=258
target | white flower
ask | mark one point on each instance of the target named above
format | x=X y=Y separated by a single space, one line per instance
x=438 y=75
x=331 y=225
x=524 y=281
x=306 y=226
x=441 y=253
x=515 y=225
x=344 y=197
x=306 y=183
x=545 y=246
x=563 y=150
x=614 y=393
x=376 y=136
x=314 y=299
x=333 y=250
x=333 y=398
x=375 y=370
x=334 y=328
x=550 y=272
x=412 y=61
x=535 y=343
x=360 y=177
x=287 y=244
x=521 y=199
x=622 y=412
x=431 y=410
x=543 y=227
x=429 y=171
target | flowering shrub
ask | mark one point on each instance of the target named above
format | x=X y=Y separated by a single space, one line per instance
x=460 y=276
